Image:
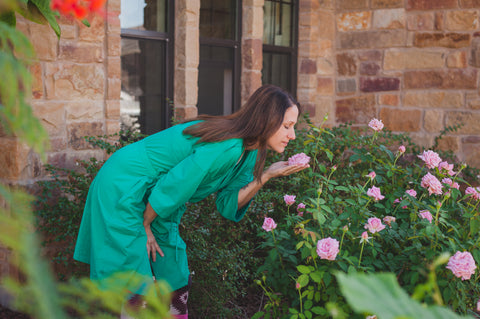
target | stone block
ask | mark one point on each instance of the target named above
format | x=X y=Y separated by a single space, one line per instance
x=325 y=86
x=401 y=120
x=389 y=99
x=449 y=143
x=184 y=113
x=450 y=79
x=68 y=32
x=421 y=22
x=389 y=19
x=472 y=139
x=84 y=110
x=114 y=86
x=112 y=109
x=354 y=21
x=370 y=55
x=112 y=126
x=470 y=4
x=469 y=120
x=16 y=162
x=81 y=52
x=439 y=21
x=413 y=59
x=351 y=4
x=44 y=41
x=360 y=109
x=384 y=4
x=371 y=39
x=346 y=64
x=94 y=33
x=457 y=59
x=433 y=121
x=325 y=21
x=474 y=105
x=77 y=131
x=36 y=71
x=325 y=67
x=472 y=154
x=448 y=40
x=324 y=107
x=69 y=81
x=306 y=81
x=114 y=67
x=431 y=5
x=475 y=53
x=346 y=86
x=440 y=99
x=308 y=66
x=461 y=20
x=369 y=68
x=52 y=116
x=379 y=84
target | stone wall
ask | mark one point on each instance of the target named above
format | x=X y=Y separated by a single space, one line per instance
x=413 y=64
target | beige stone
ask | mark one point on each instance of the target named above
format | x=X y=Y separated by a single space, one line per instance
x=325 y=67
x=449 y=143
x=433 y=121
x=389 y=99
x=82 y=52
x=469 y=121
x=422 y=139
x=396 y=59
x=401 y=120
x=114 y=87
x=439 y=99
x=36 y=71
x=68 y=31
x=474 y=105
x=112 y=109
x=94 y=33
x=389 y=19
x=16 y=162
x=461 y=20
x=325 y=21
x=422 y=21
x=457 y=59
x=472 y=154
x=52 y=116
x=353 y=21
x=85 y=110
x=114 y=67
x=44 y=41
x=76 y=133
x=324 y=107
x=112 y=126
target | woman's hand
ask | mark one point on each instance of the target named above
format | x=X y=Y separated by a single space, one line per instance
x=279 y=169
x=152 y=245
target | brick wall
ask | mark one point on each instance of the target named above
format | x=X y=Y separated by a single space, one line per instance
x=413 y=64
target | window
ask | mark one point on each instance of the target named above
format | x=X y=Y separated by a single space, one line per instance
x=280 y=44
x=147 y=64
x=219 y=67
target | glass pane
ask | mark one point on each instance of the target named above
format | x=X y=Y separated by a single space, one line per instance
x=277 y=23
x=143 y=98
x=218 y=19
x=276 y=70
x=144 y=15
x=215 y=80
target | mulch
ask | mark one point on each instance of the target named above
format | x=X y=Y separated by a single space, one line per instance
x=6 y=313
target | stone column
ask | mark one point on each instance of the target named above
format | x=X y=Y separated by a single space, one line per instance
x=187 y=56
x=252 y=41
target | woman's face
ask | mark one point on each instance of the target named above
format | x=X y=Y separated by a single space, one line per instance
x=279 y=140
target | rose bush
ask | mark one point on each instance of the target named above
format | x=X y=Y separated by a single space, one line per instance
x=358 y=178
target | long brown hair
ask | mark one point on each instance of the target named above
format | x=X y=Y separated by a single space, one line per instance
x=255 y=122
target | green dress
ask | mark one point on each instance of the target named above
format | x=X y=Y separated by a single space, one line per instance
x=167 y=169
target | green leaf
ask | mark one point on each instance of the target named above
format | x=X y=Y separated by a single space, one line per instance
x=381 y=295
x=304 y=269
x=9 y=18
x=258 y=315
x=303 y=280
x=43 y=7
x=317 y=276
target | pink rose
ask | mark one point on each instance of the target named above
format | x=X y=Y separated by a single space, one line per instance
x=401 y=149
x=374 y=225
x=297 y=286
x=376 y=125
x=430 y=158
x=372 y=175
x=289 y=199
x=299 y=159
x=445 y=167
x=327 y=248
x=397 y=200
x=375 y=193
x=432 y=184
x=462 y=265
x=425 y=214
x=450 y=183
x=364 y=238
x=472 y=191
x=269 y=224
x=411 y=192
x=389 y=220
x=300 y=209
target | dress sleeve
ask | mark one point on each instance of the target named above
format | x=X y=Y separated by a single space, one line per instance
x=180 y=183
x=227 y=198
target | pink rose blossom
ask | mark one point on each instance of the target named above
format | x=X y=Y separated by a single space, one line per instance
x=462 y=265
x=401 y=149
x=430 y=158
x=432 y=184
x=445 y=167
x=389 y=220
x=411 y=192
x=327 y=248
x=300 y=209
x=397 y=200
x=372 y=175
x=289 y=199
x=269 y=224
x=374 y=225
x=297 y=286
x=425 y=214
x=450 y=183
x=375 y=193
x=364 y=238
x=376 y=125
x=472 y=191
x=299 y=159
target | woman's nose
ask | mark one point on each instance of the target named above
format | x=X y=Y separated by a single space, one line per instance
x=291 y=134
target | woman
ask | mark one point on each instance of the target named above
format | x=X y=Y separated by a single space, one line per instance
x=135 y=203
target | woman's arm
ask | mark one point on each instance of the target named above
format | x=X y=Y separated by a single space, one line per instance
x=275 y=170
x=152 y=246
